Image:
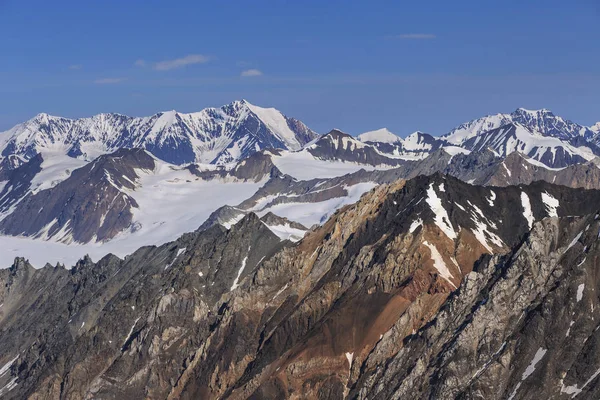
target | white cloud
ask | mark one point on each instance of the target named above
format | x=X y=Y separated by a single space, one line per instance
x=252 y=72
x=75 y=66
x=140 y=63
x=416 y=36
x=181 y=62
x=108 y=81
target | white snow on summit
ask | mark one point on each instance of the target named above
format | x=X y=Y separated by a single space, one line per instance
x=277 y=123
x=470 y=129
x=218 y=135
x=382 y=135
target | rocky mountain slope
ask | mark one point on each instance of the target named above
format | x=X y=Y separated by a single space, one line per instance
x=213 y=135
x=392 y=297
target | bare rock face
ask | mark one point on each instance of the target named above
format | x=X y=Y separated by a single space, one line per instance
x=427 y=288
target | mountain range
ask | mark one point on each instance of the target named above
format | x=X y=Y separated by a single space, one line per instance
x=235 y=253
x=213 y=135
x=75 y=187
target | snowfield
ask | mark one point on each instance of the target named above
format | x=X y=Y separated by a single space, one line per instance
x=303 y=166
x=171 y=202
x=309 y=214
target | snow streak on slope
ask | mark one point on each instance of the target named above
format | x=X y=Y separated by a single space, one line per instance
x=441 y=215
x=439 y=264
x=527 y=213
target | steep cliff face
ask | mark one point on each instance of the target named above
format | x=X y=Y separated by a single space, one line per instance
x=521 y=326
x=427 y=288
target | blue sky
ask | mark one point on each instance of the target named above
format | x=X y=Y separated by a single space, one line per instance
x=353 y=65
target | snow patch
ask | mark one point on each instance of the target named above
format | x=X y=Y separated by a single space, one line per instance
x=580 y=292
x=239 y=274
x=415 y=224
x=551 y=204
x=441 y=215
x=7 y=366
x=9 y=386
x=349 y=357
x=492 y=198
x=439 y=264
x=527 y=213
x=130 y=333
x=575 y=240
x=482 y=229
x=574 y=390
x=286 y=232
x=539 y=354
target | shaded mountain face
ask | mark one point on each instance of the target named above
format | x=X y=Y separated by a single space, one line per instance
x=213 y=135
x=546 y=122
x=90 y=205
x=337 y=145
x=15 y=183
x=515 y=138
x=430 y=287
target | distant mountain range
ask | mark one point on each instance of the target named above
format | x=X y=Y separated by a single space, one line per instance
x=213 y=135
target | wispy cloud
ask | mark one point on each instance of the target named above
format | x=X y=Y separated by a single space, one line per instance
x=75 y=66
x=251 y=72
x=415 y=36
x=109 y=81
x=140 y=63
x=181 y=62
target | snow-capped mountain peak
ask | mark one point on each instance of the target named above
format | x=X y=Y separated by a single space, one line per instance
x=596 y=127
x=420 y=141
x=543 y=121
x=382 y=135
x=468 y=130
x=549 y=124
